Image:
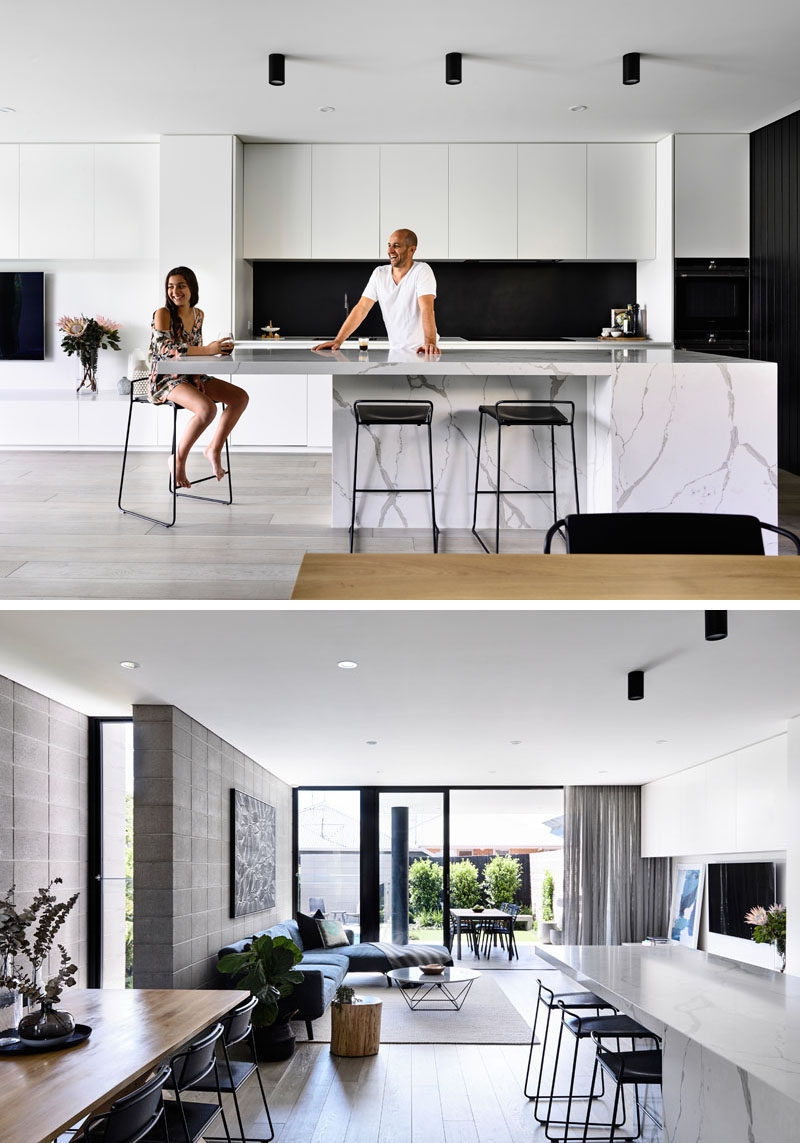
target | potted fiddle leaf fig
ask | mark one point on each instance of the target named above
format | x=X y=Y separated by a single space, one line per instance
x=266 y=968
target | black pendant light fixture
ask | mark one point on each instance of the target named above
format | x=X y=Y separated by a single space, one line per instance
x=277 y=69
x=452 y=68
x=630 y=68
x=635 y=686
x=716 y=626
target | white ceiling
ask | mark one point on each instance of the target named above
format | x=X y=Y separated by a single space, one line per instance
x=442 y=692
x=113 y=71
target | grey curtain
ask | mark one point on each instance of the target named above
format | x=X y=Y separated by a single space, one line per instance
x=611 y=894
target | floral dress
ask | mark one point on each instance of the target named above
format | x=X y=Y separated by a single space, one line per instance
x=164 y=344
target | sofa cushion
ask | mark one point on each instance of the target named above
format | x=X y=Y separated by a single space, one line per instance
x=315 y=957
x=332 y=934
x=309 y=932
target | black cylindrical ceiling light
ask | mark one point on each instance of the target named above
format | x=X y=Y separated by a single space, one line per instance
x=716 y=625
x=452 y=67
x=635 y=685
x=630 y=68
x=277 y=69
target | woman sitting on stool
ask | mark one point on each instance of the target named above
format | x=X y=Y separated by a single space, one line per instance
x=177 y=332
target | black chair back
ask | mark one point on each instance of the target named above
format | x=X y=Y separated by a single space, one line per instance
x=132 y=1117
x=661 y=533
x=238 y=1022
x=315 y=903
x=197 y=1061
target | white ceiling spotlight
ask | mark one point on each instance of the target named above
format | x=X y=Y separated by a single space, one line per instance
x=347 y=664
x=579 y=107
x=129 y=665
x=327 y=109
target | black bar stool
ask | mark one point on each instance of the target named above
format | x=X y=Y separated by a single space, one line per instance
x=387 y=411
x=139 y=396
x=639 y=1067
x=617 y=1027
x=561 y=1002
x=531 y=413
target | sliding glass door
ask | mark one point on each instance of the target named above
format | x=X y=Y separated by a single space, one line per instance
x=411 y=865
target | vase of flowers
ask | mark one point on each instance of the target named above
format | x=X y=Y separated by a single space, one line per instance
x=769 y=928
x=85 y=337
x=30 y=933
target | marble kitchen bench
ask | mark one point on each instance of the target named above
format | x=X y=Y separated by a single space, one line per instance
x=656 y=429
x=731 y=1035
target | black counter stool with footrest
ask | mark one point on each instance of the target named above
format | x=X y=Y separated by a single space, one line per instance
x=559 y=1002
x=665 y=533
x=139 y=396
x=643 y=1066
x=532 y=414
x=617 y=1027
x=387 y=411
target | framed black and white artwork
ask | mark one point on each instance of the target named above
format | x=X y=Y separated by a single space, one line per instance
x=252 y=855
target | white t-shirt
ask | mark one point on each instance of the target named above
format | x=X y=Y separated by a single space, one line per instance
x=398 y=302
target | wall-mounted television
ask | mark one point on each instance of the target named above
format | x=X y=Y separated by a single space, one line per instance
x=733 y=889
x=21 y=315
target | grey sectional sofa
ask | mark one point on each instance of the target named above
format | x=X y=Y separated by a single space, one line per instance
x=324 y=969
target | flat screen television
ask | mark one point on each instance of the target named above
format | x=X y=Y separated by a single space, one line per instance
x=21 y=315
x=733 y=889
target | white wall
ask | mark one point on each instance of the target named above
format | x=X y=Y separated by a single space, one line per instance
x=733 y=808
x=792 y=897
x=654 y=278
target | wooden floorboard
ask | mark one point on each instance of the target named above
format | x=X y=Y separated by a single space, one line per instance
x=62 y=535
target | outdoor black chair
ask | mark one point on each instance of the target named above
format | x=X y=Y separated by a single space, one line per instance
x=500 y=932
x=185 y=1119
x=134 y=1116
x=665 y=533
x=232 y=1074
x=139 y=396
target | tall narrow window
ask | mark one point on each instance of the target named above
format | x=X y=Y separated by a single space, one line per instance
x=328 y=850
x=111 y=854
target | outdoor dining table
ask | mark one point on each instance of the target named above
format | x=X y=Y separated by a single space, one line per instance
x=132 y=1031
x=493 y=915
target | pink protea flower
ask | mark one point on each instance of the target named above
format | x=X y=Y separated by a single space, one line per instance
x=756 y=916
x=108 y=325
x=72 y=325
x=775 y=909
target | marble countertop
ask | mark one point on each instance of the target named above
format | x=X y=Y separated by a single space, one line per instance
x=467 y=359
x=749 y=1017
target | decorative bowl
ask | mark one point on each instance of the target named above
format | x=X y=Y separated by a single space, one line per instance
x=477 y=908
x=431 y=969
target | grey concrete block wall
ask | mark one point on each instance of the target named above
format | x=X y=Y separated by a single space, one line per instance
x=183 y=774
x=44 y=805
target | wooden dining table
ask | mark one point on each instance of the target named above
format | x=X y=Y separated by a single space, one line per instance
x=553 y=577
x=44 y=1093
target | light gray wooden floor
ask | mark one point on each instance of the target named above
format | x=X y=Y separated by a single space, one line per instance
x=412 y=1093
x=63 y=537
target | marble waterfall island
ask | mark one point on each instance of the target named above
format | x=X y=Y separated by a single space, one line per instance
x=656 y=429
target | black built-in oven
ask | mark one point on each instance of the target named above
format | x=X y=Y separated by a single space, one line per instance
x=712 y=305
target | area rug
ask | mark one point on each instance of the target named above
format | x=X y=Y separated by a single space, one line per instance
x=487 y=1017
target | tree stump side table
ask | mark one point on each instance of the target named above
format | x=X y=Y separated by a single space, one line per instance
x=356 y=1028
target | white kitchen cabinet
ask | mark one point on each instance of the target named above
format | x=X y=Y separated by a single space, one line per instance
x=320 y=411
x=277 y=413
x=56 y=200
x=551 y=194
x=712 y=196
x=38 y=419
x=483 y=200
x=102 y=422
x=277 y=200
x=126 y=200
x=621 y=201
x=344 y=200
x=9 y=200
x=414 y=194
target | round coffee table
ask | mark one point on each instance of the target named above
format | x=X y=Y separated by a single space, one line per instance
x=446 y=989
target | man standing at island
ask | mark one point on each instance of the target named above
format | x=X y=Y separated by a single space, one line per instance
x=405 y=290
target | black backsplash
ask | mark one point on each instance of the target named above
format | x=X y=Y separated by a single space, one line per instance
x=476 y=300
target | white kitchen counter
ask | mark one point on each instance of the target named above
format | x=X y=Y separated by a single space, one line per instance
x=657 y=429
x=731 y=1035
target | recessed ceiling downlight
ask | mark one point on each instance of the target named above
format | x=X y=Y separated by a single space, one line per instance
x=327 y=109
x=7 y=110
x=347 y=664
x=579 y=107
x=129 y=665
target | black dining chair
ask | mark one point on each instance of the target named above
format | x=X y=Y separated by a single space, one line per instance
x=502 y=932
x=134 y=1116
x=139 y=396
x=665 y=533
x=233 y=1074
x=189 y=1120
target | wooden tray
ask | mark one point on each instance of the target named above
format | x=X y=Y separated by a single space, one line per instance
x=623 y=338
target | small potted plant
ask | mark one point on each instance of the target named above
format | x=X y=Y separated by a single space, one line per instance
x=344 y=995
x=547 y=923
x=266 y=968
x=769 y=928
